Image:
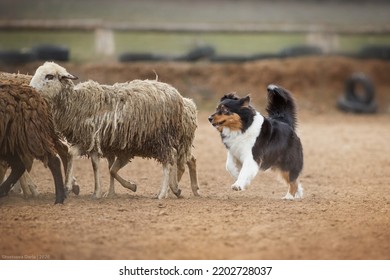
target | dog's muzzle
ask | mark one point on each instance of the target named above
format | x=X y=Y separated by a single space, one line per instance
x=215 y=124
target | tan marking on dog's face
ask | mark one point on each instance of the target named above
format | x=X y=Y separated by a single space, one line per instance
x=231 y=121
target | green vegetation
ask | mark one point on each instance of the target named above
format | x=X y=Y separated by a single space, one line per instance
x=179 y=43
x=82 y=44
x=353 y=43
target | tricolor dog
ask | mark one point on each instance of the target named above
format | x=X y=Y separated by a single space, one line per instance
x=255 y=142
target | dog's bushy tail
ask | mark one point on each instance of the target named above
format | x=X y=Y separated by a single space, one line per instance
x=281 y=105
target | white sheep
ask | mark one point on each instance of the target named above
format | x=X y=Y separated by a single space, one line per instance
x=121 y=121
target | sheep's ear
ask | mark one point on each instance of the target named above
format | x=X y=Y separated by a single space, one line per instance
x=244 y=102
x=69 y=76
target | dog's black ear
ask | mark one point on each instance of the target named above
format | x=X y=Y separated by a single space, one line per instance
x=245 y=101
x=232 y=96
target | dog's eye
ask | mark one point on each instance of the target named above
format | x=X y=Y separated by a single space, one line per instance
x=49 y=77
x=224 y=110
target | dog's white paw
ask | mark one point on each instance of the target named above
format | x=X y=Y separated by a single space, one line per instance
x=288 y=196
x=237 y=188
x=298 y=194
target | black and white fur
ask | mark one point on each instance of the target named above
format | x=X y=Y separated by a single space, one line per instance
x=255 y=142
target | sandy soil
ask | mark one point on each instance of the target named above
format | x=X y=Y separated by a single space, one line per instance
x=345 y=213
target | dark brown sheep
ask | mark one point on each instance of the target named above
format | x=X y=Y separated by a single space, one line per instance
x=64 y=151
x=27 y=133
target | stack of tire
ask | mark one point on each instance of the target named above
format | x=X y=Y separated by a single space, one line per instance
x=50 y=52
x=42 y=52
x=11 y=57
x=375 y=52
x=355 y=101
x=300 y=50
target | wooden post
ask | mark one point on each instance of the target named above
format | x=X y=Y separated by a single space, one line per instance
x=104 y=42
x=328 y=42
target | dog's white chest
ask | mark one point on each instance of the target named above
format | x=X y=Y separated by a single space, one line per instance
x=240 y=144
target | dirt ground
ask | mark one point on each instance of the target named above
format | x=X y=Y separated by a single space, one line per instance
x=345 y=212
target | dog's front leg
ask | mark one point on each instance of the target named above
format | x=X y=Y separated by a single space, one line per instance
x=247 y=173
x=233 y=166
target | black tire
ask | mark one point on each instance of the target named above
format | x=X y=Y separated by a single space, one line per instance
x=15 y=57
x=50 y=52
x=352 y=101
x=229 y=58
x=198 y=53
x=356 y=80
x=375 y=52
x=260 y=56
x=134 y=57
x=300 y=50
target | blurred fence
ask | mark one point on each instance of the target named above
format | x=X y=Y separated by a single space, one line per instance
x=324 y=36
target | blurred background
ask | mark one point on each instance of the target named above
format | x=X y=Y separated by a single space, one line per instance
x=209 y=47
x=101 y=30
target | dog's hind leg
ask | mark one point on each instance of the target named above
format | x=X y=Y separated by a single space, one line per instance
x=295 y=189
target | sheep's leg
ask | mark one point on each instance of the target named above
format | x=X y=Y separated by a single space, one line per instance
x=54 y=164
x=18 y=189
x=111 y=190
x=96 y=172
x=30 y=184
x=70 y=181
x=17 y=169
x=3 y=170
x=26 y=186
x=67 y=161
x=193 y=175
x=170 y=178
x=23 y=184
x=180 y=171
x=120 y=162
x=167 y=169
x=173 y=176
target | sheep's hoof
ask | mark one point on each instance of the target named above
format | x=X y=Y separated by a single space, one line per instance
x=196 y=193
x=161 y=196
x=76 y=189
x=59 y=200
x=96 y=195
x=178 y=192
x=3 y=193
x=131 y=186
x=110 y=194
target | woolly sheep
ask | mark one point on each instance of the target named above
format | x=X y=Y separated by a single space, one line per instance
x=27 y=133
x=184 y=151
x=26 y=183
x=121 y=121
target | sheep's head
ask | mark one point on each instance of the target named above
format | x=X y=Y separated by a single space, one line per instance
x=50 y=79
